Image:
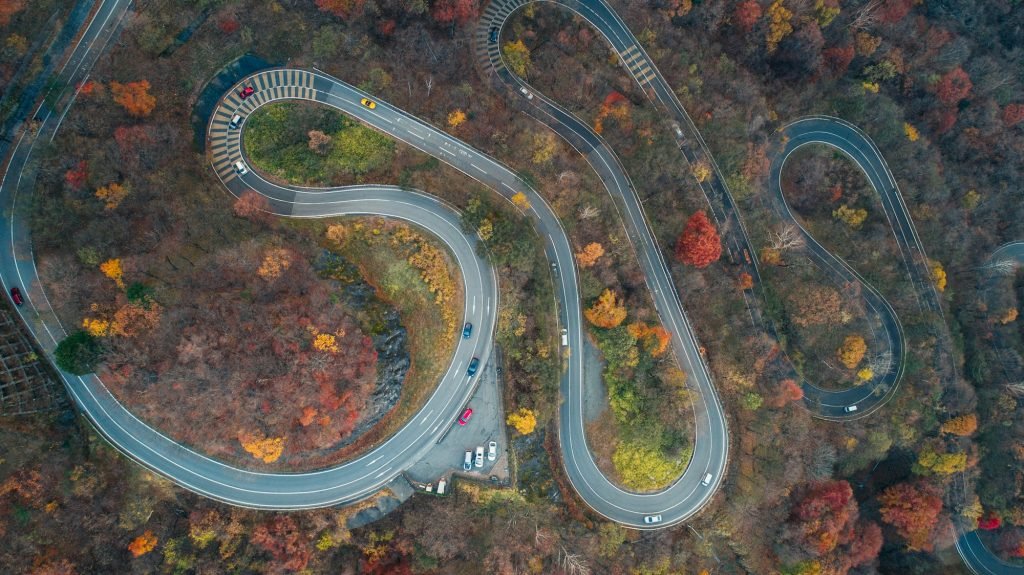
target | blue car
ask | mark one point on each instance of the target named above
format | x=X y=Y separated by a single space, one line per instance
x=467 y=330
x=475 y=363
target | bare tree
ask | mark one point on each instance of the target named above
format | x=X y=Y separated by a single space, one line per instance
x=589 y=212
x=866 y=17
x=1016 y=389
x=1003 y=267
x=879 y=363
x=787 y=237
x=573 y=563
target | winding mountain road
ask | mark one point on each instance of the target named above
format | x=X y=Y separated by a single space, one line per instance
x=360 y=478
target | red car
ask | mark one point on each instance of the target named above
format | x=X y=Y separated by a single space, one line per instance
x=16 y=296
x=246 y=92
x=464 y=418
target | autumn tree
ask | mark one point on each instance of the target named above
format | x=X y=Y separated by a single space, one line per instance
x=701 y=171
x=699 y=244
x=1008 y=316
x=545 y=146
x=852 y=351
x=282 y=538
x=266 y=449
x=824 y=517
x=853 y=217
x=938 y=274
x=963 y=425
x=932 y=460
x=524 y=420
x=456 y=118
x=253 y=206
x=112 y=195
x=607 y=312
x=142 y=544
x=344 y=9
x=788 y=392
x=837 y=59
x=112 y=269
x=813 y=304
x=517 y=57
x=745 y=281
x=9 y=8
x=913 y=509
x=455 y=11
x=1013 y=114
x=746 y=14
x=275 y=262
x=76 y=177
x=954 y=86
x=319 y=142
x=779 y=26
x=134 y=97
x=590 y=254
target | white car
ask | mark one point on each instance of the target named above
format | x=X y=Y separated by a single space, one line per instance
x=467 y=464
x=850 y=408
x=492 y=451
x=480 y=456
x=240 y=168
x=652 y=519
x=527 y=93
x=706 y=481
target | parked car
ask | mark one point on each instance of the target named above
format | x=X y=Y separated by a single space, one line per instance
x=707 y=480
x=368 y=103
x=467 y=464
x=473 y=365
x=480 y=456
x=16 y=296
x=464 y=418
x=492 y=451
x=246 y=92
x=493 y=37
x=240 y=168
x=467 y=330
x=652 y=519
x=236 y=121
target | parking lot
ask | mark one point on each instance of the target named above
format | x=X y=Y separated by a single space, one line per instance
x=485 y=425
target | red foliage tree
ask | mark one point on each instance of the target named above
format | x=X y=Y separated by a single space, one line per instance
x=954 y=86
x=913 y=509
x=386 y=28
x=865 y=545
x=789 y=391
x=228 y=25
x=344 y=9
x=989 y=521
x=1013 y=114
x=822 y=514
x=9 y=8
x=253 y=206
x=1011 y=542
x=284 y=541
x=747 y=14
x=837 y=59
x=894 y=10
x=458 y=11
x=75 y=177
x=699 y=244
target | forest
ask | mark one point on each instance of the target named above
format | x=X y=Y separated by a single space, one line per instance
x=935 y=84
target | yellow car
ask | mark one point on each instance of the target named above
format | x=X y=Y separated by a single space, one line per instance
x=368 y=103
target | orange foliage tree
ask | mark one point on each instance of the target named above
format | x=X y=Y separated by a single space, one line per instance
x=590 y=254
x=133 y=319
x=142 y=544
x=746 y=281
x=607 y=312
x=134 y=97
x=655 y=338
x=914 y=510
x=852 y=351
x=963 y=426
x=252 y=206
x=789 y=391
x=282 y=538
x=112 y=195
x=112 y=269
x=699 y=244
x=266 y=449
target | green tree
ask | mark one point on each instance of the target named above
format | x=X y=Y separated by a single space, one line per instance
x=78 y=353
x=643 y=468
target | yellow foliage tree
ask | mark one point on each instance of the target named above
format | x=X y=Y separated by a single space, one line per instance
x=524 y=420
x=911 y=132
x=963 y=426
x=545 y=144
x=96 y=327
x=825 y=11
x=590 y=254
x=607 y=312
x=486 y=229
x=112 y=269
x=865 y=374
x=872 y=87
x=701 y=171
x=338 y=233
x=852 y=217
x=326 y=342
x=938 y=275
x=266 y=449
x=456 y=118
x=142 y=544
x=520 y=200
x=866 y=44
x=275 y=262
x=931 y=462
x=852 y=351
x=641 y=467
x=112 y=195
x=779 y=25
x=771 y=256
x=517 y=57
